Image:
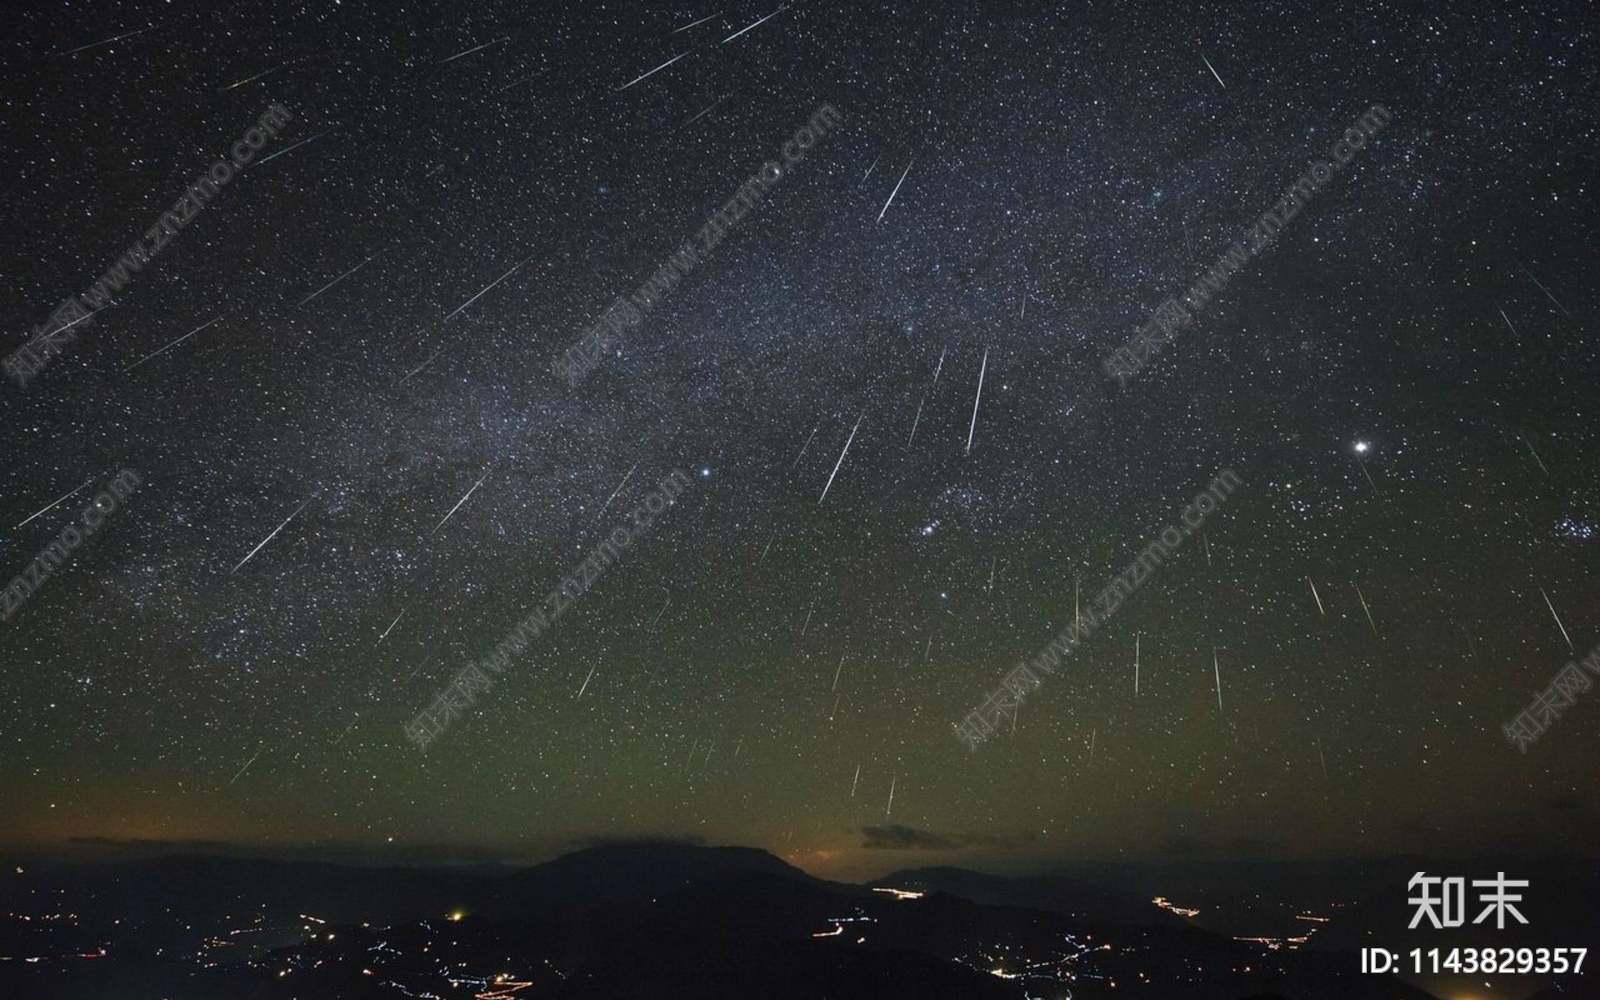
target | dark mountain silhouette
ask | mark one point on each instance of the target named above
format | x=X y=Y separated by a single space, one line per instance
x=623 y=872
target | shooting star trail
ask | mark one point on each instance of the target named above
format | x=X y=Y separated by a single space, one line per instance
x=1213 y=70
x=1535 y=455
x=476 y=48
x=756 y=25
x=52 y=504
x=940 y=366
x=890 y=808
x=586 y=680
x=707 y=111
x=1364 y=607
x=871 y=169
x=661 y=612
x=916 y=420
x=80 y=319
x=1543 y=289
x=353 y=723
x=1363 y=464
x=836 y=674
x=108 y=41
x=803 y=447
x=247 y=764
x=392 y=624
x=463 y=500
x=976 y=399
x=490 y=285
x=1322 y=758
x=614 y=492
x=302 y=142
x=1217 y=670
x=809 y=612
x=269 y=538
x=170 y=346
x=840 y=462
x=1557 y=617
x=1317 y=597
x=248 y=79
x=653 y=72
x=340 y=278
x=896 y=190
x=421 y=366
x=696 y=24
x=1509 y=325
x=855 y=781
x=767 y=548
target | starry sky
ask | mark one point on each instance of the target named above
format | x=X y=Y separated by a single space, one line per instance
x=1404 y=383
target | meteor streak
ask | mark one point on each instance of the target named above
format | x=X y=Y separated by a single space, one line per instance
x=840 y=462
x=392 y=624
x=896 y=190
x=1217 y=670
x=108 y=41
x=267 y=539
x=1315 y=595
x=1557 y=617
x=170 y=346
x=48 y=506
x=302 y=142
x=490 y=285
x=695 y=24
x=658 y=69
x=335 y=281
x=976 y=399
x=463 y=500
x=475 y=48
x=756 y=25
x=1366 y=609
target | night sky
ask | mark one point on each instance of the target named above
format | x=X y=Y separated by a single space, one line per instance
x=1404 y=382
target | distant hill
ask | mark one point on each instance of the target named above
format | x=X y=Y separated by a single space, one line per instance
x=622 y=872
